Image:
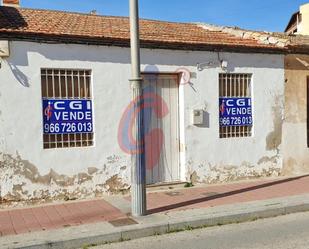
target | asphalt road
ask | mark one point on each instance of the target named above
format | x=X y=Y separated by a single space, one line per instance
x=284 y=232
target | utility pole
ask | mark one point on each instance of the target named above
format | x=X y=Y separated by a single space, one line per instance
x=138 y=189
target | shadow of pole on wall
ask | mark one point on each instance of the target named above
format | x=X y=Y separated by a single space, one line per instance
x=19 y=75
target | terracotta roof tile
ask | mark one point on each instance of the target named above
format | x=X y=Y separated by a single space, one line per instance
x=83 y=28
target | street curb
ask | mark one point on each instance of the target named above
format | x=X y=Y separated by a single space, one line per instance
x=167 y=223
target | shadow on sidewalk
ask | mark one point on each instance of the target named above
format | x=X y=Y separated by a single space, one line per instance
x=226 y=194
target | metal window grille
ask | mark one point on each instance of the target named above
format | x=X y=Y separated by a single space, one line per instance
x=66 y=84
x=235 y=85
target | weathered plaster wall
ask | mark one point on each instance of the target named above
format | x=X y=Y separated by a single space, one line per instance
x=29 y=172
x=296 y=152
x=219 y=160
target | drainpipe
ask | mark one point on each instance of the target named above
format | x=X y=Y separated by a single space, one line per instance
x=138 y=189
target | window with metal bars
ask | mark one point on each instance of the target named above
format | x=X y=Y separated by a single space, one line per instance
x=66 y=84
x=235 y=86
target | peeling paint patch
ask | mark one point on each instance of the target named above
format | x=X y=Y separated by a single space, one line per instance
x=21 y=181
x=92 y=170
x=194 y=178
x=222 y=173
x=267 y=159
x=115 y=185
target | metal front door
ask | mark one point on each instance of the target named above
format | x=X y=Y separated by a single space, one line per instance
x=161 y=128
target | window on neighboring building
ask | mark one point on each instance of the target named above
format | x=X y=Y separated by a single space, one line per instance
x=68 y=91
x=235 y=105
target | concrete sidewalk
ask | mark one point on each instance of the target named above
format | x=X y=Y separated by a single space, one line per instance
x=78 y=224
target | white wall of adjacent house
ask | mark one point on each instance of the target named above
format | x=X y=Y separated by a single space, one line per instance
x=28 y=171
x=303 y=26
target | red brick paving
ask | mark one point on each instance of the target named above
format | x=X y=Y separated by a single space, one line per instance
x=17 y=221
x=227 y=194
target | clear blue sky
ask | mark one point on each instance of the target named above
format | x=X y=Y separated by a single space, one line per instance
x=270 y=15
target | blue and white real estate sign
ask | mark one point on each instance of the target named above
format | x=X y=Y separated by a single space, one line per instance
x=63 y=116
x=235 y=112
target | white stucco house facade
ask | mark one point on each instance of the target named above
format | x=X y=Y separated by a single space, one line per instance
x=196 y=74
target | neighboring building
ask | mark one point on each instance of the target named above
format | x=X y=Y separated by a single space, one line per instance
x=296 y=125
x=299 y=22
x=58 y=67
